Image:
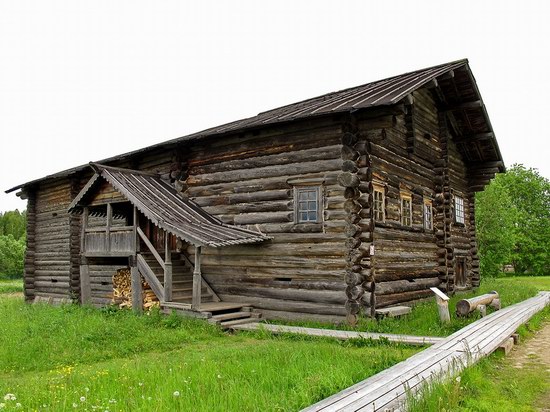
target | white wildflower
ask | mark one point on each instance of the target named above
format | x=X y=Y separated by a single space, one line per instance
x=177 y=393
x=9 y=397
x=457 y=379
x=18 y=405
x=82 y=399
x=87 y=389
x=140 y=384
x=75 y=405
x=2 y=405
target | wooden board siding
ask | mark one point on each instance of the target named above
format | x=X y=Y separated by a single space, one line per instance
x=52 y=258
x=248 y=180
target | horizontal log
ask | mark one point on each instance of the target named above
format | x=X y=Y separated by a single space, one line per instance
x=466 y=306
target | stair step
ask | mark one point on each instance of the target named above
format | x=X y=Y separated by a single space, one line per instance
x=230 y=323
x=230 y=316
x=224 y=307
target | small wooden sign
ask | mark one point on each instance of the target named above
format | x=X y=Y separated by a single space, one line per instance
x=371 y=250
x=439 y=294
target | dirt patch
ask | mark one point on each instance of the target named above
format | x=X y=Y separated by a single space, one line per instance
x=535 y=351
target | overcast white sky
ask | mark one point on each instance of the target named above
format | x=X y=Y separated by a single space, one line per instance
x=85 y=80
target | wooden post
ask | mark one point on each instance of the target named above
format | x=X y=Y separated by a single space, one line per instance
x=442 y=301
x=85 y=285
x=84 y=226
x=136 y=224
x=108 y=228
x=137 y=293
x=167 y=268
x=197 y=280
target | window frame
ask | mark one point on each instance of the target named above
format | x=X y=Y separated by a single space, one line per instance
x=318 y=200
x=428 y=204
x=404 y=196
x=459 y=212
x=377 y=188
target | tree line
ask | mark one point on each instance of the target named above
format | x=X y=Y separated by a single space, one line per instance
x=513 y=223
x=13 y=226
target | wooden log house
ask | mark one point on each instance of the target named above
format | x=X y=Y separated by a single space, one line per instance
x=323 y=209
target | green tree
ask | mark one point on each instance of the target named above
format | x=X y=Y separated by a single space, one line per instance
x=13 y=223
x=496 y=218
x=520 y=196
x=12 y=256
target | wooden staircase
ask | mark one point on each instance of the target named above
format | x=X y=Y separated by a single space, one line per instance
x=223 y=314
x=182 y=279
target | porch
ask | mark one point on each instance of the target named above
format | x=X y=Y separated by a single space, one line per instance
x=137 y=217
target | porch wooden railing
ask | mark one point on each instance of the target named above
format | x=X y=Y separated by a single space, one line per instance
x=150 y=277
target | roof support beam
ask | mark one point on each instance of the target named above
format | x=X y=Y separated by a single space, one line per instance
x=475 y=104
x=472 y=137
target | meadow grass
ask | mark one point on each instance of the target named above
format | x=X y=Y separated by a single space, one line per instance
x=493 y=384
x=424 y=318
x=11 y=286
x=80 y=358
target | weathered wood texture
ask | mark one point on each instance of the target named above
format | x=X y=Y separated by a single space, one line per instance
x=101 y=272
x=403 y=152
x=52 y=236
x=249 y=180
x=390 y=389
x=30 y=252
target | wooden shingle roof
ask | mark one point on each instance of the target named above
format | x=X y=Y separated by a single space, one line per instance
x=476 y=142
x=161 y=204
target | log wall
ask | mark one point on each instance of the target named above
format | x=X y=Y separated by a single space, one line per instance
x=52 y=235
x=248 y=180
x=31 y=247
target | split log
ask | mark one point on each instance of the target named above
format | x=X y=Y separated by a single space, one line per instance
x=466 y=306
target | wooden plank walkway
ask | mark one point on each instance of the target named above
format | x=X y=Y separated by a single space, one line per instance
x=388 y=390
x=340 y=334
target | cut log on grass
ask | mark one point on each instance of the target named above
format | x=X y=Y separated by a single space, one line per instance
x=466 y=306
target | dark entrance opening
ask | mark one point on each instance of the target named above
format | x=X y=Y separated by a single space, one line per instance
x=460 y=272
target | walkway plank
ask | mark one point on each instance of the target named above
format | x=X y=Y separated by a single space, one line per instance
x=388 y=390
x=340 y=334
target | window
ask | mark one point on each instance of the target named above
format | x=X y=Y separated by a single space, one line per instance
x=428 y=215
x=459 y=210
x=406 y=210
x=307 y=204
x=379 y=209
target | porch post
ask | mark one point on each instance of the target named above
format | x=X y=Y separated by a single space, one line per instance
x=108 y=228
x=167 y=268
x=137 y=290
x=85 y=286
x=197 y=280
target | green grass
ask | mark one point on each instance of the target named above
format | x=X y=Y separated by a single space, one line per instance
x=52 y=357
x=424 y=318
x=11 y=286
x=493 y=384
x=114 y=360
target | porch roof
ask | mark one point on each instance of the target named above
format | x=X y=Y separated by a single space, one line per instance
x=161 y=204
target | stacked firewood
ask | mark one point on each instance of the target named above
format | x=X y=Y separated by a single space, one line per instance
x=122 y=291
x=150 y=300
